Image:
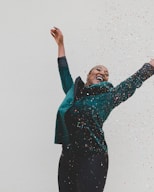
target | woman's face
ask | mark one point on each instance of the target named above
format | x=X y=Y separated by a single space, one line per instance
x=97 y=74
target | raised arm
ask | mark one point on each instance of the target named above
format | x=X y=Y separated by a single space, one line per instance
x=65 y=75
x=58 y=36
x=127 y=88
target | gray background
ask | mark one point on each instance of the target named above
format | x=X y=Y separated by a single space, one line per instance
x=117 y=34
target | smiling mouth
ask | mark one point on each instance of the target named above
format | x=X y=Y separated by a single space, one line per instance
x=99 y=78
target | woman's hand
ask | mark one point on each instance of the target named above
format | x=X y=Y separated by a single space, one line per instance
x=58 y=36
x=152 y=62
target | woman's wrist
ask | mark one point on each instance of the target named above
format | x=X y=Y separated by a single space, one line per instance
x=61 y=50
x=60 y=45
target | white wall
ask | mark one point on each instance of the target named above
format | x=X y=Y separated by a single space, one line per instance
x=118 y=34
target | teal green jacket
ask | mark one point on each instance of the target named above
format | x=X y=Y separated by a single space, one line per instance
x=100 y=104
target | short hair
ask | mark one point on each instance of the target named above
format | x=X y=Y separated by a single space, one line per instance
x=96 y=67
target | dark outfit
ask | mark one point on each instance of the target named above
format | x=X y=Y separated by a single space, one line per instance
x=82 y=173
x=84 y=161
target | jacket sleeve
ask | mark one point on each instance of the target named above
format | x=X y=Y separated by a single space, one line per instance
x=126 y=89
x=65 y=75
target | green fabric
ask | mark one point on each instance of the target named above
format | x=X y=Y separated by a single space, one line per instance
x=101 y=104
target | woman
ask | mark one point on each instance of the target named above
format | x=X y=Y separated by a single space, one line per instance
x=83 y=163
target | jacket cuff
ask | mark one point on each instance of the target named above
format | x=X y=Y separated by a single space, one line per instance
x=62 y=61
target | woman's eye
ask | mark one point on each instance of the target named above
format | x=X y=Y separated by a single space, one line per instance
x=98 y=69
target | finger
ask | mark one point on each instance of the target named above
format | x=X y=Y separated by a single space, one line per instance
x=56 y=28
x=52 y=34
x=53 y=30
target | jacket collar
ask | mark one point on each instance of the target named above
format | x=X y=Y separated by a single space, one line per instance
x=80 y=90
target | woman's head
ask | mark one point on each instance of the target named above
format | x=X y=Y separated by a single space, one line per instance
x=97 y=74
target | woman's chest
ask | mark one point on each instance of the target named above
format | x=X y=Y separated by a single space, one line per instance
x=91 y=105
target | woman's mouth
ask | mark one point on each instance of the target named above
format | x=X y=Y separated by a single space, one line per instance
x=99 y=78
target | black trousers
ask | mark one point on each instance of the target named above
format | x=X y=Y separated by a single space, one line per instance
x=82 y=173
